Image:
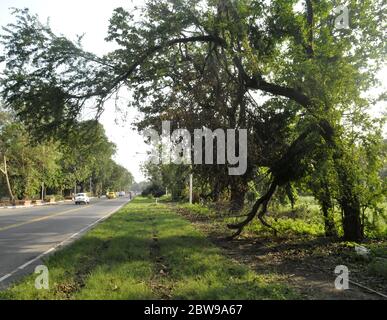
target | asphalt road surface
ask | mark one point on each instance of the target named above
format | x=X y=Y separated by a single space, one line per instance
x=29 y=234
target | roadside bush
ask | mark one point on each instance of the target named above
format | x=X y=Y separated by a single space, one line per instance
x=59 y=197
x=199 y=210
x=153 y=190
x=50 y=198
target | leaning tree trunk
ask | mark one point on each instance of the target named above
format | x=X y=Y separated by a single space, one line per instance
x=283 y=172
x=5 y=172
x=260 y=208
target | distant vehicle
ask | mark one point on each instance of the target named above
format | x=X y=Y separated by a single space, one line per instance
x=121 y=194
x=111 y=195
x=82 y=198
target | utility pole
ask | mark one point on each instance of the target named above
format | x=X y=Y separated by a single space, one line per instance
x=90 y=187
x=42 y=191
x=191 y=188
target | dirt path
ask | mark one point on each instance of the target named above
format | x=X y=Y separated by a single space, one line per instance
x=307 y=266
x=311 y=283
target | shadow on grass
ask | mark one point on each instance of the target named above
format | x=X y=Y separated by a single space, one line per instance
x=116 y=261
x=122 y=268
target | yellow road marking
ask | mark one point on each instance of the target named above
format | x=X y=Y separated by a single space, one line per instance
x=16 y=225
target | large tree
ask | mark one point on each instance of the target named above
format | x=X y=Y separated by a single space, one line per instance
x=297 y=57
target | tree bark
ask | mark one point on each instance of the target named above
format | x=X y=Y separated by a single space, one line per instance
x=329 y=222
x=353 y=230
x=238 y=193
x=262 y=204
x=5 y=172
x=348 y=197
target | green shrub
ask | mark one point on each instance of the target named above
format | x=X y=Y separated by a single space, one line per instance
x=59 y=197
x=154 y=190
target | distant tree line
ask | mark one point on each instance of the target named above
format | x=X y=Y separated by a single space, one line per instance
x=80 y=162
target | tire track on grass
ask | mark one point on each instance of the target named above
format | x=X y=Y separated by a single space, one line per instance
x=159 y=282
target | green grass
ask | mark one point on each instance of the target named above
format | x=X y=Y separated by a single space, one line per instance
x=305 y=219
x=378 y=264
x=146 y=251
x=198 y=210
x=378 y=267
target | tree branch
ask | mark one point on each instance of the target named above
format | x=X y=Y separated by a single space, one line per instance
x=256 y=82
x=262 y=202
x=144 y=56
x=152 y=50
x=259 y=83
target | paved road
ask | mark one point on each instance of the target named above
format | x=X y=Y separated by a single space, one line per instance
x=27 y=235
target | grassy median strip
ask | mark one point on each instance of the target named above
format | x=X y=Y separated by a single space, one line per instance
x=146 y=251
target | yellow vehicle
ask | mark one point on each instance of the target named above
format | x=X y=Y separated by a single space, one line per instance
x=111 y=195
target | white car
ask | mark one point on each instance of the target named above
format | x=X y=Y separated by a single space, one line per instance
x=82 y=198
x=122 y=194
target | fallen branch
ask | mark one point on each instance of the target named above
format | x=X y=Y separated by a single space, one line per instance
x=261 y=203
